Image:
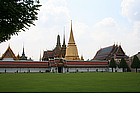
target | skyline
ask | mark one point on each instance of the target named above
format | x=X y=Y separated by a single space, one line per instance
x=96 y=24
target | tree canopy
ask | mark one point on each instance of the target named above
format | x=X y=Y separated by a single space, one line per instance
x=16 y=15
x=112 y=64
x=135 y=63
x=123 y=65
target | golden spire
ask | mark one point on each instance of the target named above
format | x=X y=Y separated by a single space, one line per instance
x=71 y=50
x=71 y=39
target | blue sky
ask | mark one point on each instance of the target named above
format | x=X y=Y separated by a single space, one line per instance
x=96 y=24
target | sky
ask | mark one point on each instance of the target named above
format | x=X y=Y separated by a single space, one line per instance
x=96 y=24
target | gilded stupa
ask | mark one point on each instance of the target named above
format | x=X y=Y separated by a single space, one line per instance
x=71 y=51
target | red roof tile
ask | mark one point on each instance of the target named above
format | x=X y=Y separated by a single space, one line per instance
x=86 y=63
x=23 y=64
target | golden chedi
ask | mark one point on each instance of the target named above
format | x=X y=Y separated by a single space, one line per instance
x=71 y=51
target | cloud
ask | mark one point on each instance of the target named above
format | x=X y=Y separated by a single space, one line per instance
x=131 y=9
x=136 y=30
x=106 y=31
x=54 y=11
x=107 y=23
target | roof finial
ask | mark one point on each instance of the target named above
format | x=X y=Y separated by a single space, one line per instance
x=120 y=44
x=23 y=53
x=9 y=45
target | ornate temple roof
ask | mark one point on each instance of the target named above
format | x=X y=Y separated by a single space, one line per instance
x=107 y=53
x=9 y=54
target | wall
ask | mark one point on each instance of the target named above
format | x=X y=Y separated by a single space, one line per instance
x=85 y=70
x=16 y=70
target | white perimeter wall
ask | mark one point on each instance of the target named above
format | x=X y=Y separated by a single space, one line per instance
x=13 y=70
x=85 y=70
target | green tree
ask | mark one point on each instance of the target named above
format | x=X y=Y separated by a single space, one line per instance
x=135 y=63
x=123 y=65
x=112 y=64
x=16 y=15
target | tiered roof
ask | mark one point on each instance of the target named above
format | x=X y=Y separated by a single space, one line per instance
x=57 y=52
x=9 y=54
x=107 y=53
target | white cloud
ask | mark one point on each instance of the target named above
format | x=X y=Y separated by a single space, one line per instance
x=136 y=29
x=131 y=9
x=106 y=32
x=107 y=23
x=54 y=11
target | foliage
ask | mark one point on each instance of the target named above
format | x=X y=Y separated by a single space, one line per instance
x=123 y=65
x=135 y=63
x=112 y=64
x=70 y=82
x=16 y=15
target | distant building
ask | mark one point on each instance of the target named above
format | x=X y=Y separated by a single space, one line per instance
x=58 y=52
x=9 y=55
x=113 y=51
x=11 y=63
x=138 y=55
x=23 y=57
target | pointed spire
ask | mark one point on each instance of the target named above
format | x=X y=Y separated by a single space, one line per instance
x=71 y=39
x=64 y=43
x=58 y=40
x=63 y=49
x=23 y=53
x=23 y=57
x=64 y=38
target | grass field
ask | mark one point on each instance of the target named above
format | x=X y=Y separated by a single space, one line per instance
x=70 y=82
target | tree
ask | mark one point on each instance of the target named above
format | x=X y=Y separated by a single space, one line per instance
x=123 y=65
x=112 y=64
x=135 y=63
x=16 y=15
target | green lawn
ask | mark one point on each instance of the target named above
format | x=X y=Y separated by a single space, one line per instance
x=70 y=82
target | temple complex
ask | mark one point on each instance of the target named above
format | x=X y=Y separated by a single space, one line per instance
x=68 y=53
x=62 y=59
